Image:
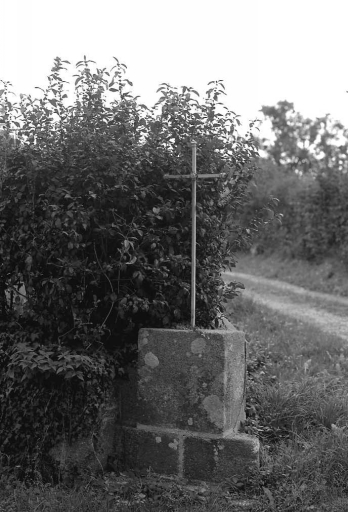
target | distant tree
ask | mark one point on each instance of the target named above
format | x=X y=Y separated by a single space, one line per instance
x=304 y=145
x=306 y=167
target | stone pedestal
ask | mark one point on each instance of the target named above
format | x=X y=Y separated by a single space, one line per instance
x=182 y=411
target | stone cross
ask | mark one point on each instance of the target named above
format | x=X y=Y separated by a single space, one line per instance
x=193 y=176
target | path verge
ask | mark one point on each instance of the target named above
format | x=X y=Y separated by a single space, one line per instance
x=328 y=312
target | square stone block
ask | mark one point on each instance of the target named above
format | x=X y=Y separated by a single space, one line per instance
x=219 y=459
x=141 y=450
x=191 y=380
x=183 y=454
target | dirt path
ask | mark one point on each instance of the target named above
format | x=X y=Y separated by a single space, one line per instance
x=328 y=312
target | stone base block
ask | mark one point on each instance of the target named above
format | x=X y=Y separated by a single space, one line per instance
x=187 y=379
x=219 y=459
x=194 y=456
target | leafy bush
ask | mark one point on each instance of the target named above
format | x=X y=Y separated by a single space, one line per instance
x=95 y=244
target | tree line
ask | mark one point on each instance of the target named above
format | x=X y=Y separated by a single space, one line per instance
x=304 y=164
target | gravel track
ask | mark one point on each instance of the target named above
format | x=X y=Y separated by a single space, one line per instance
x=325 y=311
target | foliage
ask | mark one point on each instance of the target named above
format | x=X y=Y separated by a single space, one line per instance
x=95 y=243
x=305 y=168
x=304 y=145
x=313 y=212
x=47 y=394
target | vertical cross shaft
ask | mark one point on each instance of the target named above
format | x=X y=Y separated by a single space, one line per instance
x=193 y=234
x=193 y=176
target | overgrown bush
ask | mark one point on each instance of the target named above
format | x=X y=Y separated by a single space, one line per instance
x=95 y=243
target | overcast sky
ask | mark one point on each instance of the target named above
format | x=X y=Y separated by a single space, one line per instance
x=264 y=50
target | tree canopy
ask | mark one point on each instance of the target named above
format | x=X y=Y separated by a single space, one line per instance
x=302 y=144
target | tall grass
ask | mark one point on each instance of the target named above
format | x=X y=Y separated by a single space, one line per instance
x=298 y=404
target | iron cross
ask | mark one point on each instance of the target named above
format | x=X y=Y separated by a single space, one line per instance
x=193 y=176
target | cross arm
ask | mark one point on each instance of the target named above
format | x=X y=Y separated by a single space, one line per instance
x=222 y=175
x=204 y=176
x=176 y=176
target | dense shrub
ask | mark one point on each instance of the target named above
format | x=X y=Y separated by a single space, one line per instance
x=98 y=243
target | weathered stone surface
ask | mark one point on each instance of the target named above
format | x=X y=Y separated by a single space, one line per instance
x=179 y=413
x=184 y=454
x=143 y=450
x=219 y=459
x=191 y=380
x=183 y=407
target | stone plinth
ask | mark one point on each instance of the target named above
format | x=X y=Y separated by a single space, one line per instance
x=182 y=410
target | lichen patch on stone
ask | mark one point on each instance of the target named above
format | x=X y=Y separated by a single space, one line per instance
x=142 y=342
x=151 y=360
x=174 y=445
x=144 y=372
x=215 y=409
x=216 y=455
x=198 y=345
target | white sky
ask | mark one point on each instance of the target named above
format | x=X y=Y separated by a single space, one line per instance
x=264 y=50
